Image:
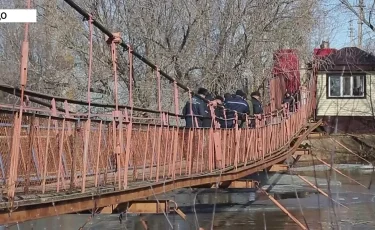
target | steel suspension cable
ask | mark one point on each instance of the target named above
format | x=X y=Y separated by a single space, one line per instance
x=176 y=105
x=339 y=172
x=130 y=57
x=90 y=65
x=162 y=121
x=114 y=66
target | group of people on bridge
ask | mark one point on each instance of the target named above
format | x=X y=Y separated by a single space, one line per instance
x=197 y=112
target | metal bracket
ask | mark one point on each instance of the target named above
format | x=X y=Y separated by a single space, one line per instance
x=116 y=38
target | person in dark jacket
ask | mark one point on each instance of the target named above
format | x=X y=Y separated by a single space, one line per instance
x=257 y=107
x=297 y=98
x=289 y=100
x=228 y=96
x=194 y=118
x=237 y=103
x=206 y=122
x=218 y=105
x=215 y=102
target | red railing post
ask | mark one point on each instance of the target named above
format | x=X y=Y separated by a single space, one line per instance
x=129 y=127
x=61 y=146
x=46 y=156
x=237 y=136
x=176 y=140
x=217 y=139
x=29 y=153
x=98 y=153
x=18 y=116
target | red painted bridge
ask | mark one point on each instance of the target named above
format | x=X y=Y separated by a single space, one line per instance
x=54 y=161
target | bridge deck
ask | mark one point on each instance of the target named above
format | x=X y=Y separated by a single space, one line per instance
x=43 y=205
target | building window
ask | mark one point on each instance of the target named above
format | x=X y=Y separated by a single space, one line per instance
x=346 y=86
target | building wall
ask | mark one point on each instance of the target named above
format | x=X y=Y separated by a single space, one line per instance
x=345 y=107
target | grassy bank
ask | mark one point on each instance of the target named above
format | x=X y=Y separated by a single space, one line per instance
x=326 y=146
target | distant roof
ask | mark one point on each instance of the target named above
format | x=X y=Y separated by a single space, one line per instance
x=352 y=57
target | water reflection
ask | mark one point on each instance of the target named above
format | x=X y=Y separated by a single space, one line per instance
x=263 y=214
x=358 y=217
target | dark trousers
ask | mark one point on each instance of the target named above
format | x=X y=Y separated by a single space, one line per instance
x=190 y=122
x=207 y=122
x=227 y=124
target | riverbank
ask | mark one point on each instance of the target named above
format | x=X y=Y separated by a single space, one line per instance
x=325 y=146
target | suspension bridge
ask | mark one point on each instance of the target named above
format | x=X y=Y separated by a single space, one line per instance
x=54 y=161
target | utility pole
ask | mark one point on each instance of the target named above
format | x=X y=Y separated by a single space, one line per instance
x=361 y=6
x=351 y=33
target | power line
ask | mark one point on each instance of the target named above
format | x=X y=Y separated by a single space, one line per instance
x=351 y=8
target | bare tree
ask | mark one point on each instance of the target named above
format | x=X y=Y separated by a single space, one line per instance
x=221 y=45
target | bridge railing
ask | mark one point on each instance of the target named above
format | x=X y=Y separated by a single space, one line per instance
x=59 y=153
x=53 y=149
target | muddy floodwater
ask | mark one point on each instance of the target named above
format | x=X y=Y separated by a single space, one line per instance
x=234 y=211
